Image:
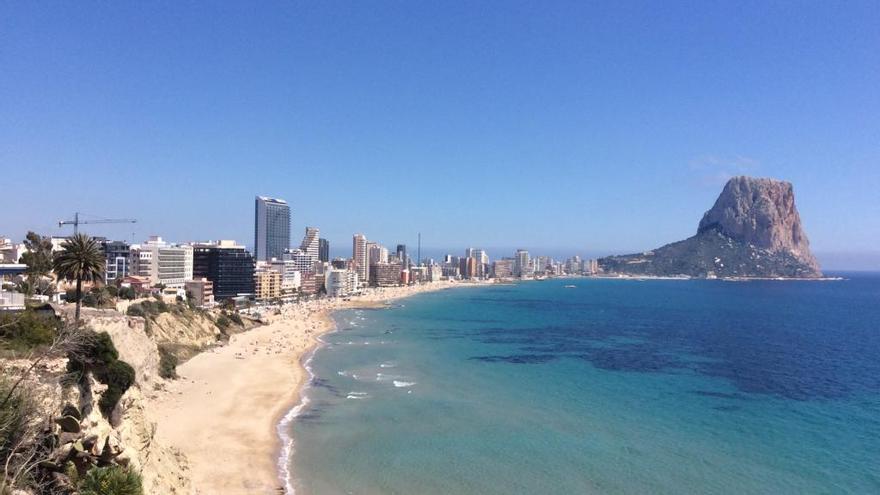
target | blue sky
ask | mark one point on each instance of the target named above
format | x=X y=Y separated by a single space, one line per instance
x=565 y=127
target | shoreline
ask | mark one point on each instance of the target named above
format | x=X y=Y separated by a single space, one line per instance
x=229 y=412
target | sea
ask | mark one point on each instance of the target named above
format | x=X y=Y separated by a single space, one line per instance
x=585 y=385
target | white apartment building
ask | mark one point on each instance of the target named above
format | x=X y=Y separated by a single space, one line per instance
x=162 y=263
x=302 y=261
x=340 y=283
x=10 y=252
x=521 y=264
x=359 y=256
x=310 y=244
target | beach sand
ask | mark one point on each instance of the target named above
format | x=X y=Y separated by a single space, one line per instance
x=223 y=411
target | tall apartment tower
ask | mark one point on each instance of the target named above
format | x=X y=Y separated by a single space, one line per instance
x=310 y=244
x=521 y=263
x=359 y=255
x=323 y=250
x=271 y=228
x=401 y=254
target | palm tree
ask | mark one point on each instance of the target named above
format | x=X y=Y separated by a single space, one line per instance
x=80 y=259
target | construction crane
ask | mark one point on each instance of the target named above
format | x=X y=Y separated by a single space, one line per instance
x=76 y=221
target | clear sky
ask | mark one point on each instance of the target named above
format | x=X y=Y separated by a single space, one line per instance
x=590 y=127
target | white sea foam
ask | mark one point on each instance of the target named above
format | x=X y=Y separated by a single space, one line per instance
x=284 y=431
x=284 y=426
x=402 y=384
x=387 y=365
x=357 y=395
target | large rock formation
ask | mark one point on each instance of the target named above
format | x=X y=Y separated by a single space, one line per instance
x=753 y=230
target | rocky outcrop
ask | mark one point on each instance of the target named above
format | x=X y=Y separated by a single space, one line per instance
x=762 y=213
x=753 y=230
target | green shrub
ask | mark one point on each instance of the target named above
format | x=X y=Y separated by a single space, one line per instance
x=100 y=349
x=167 y=364
x=236 y=319
x=98 y=355
x=135 y=310
x=118 y=376
x=162 y=307
x=222 y=323
x=111 y=480
x=149 y=307
x=25 y=331
x=126 y=293
x=90 y=300
x=97 y=297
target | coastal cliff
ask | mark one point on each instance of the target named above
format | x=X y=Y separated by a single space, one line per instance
x=753 y=230
x=71 y=420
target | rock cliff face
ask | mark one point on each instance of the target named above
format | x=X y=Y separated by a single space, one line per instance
x=760 y=212
x=753 y=230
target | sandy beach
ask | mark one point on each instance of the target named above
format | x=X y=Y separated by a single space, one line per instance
x=223 y=411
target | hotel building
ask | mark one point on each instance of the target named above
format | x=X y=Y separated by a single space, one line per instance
x=271 y=228
x=323 y=250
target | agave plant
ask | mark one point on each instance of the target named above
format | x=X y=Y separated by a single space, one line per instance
x=80 y=259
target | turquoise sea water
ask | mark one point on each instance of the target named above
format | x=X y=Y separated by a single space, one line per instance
x=615 y=386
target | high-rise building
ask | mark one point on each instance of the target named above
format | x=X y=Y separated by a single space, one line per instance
x=323 y=250
x=377 y=253
x=310 y=244
x=230 y=268
x=521 y=263
x=542 y=265
x=482 y=261
x=401 y=255
x=574 y=265
x=271 y=228
x=162 y=263
x=359 y=256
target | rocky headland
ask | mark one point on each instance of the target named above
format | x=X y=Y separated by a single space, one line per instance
x=753 y=230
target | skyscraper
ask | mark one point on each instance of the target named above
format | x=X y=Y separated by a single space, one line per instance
x=401 y=255
x=359 y=258
x=271 y=228
x=521 y=263
x=323 y=250
x=310 y=242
